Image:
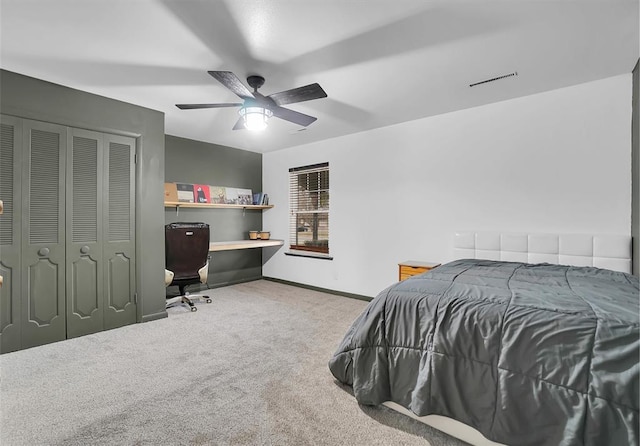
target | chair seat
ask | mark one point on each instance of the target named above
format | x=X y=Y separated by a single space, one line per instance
x=191 y=278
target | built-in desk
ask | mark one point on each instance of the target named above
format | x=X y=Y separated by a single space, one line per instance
x=243 y=244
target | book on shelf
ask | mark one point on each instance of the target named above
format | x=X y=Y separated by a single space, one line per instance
x=201 y=193
x=231 y=195
x=261 y=199
x=257 y=198
x=170 y=192
x=218 y=194
x=185 y=192
x=244 y=196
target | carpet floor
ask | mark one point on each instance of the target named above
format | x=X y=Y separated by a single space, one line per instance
x=250 y=368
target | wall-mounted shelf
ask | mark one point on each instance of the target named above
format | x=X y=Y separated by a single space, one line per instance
x=243 y=244
x=182 y=204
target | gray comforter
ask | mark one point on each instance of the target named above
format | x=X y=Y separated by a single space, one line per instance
x=527 y=354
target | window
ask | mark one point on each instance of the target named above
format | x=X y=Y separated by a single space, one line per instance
x=309 y=199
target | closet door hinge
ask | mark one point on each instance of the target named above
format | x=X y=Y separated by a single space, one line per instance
x=135 y=158
x=135 y=298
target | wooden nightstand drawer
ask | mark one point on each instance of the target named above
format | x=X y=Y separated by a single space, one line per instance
x=412 y=267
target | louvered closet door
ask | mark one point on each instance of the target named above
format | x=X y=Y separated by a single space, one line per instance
x=84 y=231
x=43 y=234
x=10 y=230
x=119 y=232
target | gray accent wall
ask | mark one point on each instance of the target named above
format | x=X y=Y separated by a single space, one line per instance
x=635 y=171
x=35 y=99
x=195 y=162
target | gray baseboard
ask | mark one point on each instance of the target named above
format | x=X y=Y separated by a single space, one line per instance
x=154 y=316
x=193 y=289
x=234 y=282
x=323 y=290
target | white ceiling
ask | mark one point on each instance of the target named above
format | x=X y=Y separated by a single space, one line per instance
x=381 y=62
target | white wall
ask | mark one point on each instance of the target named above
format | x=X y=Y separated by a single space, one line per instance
x=552 y=162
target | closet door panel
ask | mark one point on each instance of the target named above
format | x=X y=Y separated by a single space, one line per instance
x=43 y=235
x=119 y=237
x=84 y=229
x=10 y=231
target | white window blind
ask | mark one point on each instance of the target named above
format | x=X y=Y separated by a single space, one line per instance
x=309 y=204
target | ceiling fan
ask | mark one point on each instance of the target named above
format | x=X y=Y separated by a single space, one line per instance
x=256 y=109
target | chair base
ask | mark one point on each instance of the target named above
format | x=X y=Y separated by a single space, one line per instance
x=186 y=299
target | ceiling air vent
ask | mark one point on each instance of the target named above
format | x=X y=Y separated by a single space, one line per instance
x=515 y=73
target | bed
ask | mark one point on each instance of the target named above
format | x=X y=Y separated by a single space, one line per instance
x=523 y=353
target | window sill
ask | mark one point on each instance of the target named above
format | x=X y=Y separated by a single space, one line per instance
x=312 y=255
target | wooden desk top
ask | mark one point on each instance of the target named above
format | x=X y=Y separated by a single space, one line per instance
x=243 y=244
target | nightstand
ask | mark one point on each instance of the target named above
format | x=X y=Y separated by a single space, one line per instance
x=412 y=267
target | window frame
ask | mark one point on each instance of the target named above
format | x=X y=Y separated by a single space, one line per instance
x=309 y=208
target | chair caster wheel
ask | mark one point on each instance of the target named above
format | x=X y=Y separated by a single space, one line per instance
x=208 y=301
x=194 y=308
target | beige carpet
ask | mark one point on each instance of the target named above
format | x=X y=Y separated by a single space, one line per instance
x=248 y=369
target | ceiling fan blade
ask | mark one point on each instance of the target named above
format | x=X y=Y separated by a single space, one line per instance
x=300 y=94
x=196 y=106
x=239 y=124
x=231 y=81
x=292 y=116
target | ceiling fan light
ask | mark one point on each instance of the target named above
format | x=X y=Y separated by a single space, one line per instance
x=255 y=118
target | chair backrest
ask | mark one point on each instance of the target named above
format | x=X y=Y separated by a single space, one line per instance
x=186 y=247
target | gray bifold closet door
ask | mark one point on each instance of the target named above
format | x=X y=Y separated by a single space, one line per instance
x=100 y=233
x=10 y=231
x=119 y=248
x=43 y=247
x=76 y=258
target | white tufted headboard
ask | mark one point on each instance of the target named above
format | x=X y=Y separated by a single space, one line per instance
x=602 y=251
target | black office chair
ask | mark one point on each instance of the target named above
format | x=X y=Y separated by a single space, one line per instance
x=186 y=260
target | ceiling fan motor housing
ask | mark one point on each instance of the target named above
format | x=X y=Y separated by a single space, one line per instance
x=255 y=81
